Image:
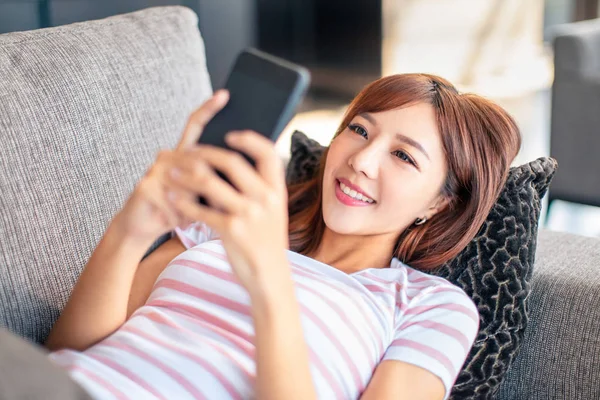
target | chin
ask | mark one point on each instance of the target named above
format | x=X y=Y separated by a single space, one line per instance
x=341 y=229
x=340 y=222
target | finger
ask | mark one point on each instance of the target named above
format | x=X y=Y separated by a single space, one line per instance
x=200 y=118
x=262 y=150
x=198 y=212
x=167 y=162
x=156 y=189
x=154 y=194
x=238 y=170
x=195 y=176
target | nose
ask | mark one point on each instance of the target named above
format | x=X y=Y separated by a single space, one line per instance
x=366 y=160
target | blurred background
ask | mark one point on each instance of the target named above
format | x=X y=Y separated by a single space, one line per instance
x=539 y=59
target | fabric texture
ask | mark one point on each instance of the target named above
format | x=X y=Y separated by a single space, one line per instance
x=85 y=109
x=494 y=269
x=26 y=373
x=194 y=336
x=560 y=353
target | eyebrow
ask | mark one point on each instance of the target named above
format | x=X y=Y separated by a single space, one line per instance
x=403 y=138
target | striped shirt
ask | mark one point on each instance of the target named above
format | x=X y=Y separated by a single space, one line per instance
x=194 y=337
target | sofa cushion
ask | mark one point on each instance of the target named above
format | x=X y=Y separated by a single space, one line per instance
x=84 y=110
x=494 y=269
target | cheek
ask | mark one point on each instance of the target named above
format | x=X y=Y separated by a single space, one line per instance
x=335 y=158
x=405 y=194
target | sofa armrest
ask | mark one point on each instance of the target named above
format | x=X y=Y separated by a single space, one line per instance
x=577 y=48
x=27 y=373
x=558 y=358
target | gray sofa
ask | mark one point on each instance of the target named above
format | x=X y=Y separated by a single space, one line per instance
x=84 y=109
x=575 y=141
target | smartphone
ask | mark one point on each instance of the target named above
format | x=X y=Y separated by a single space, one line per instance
x=264 y=93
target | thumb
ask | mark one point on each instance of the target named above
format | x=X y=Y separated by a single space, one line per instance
x=200 y=118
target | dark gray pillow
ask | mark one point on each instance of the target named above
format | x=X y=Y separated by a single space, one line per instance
x=494 y=269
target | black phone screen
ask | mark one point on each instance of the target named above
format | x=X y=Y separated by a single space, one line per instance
x=263 y=92
x=253 y=104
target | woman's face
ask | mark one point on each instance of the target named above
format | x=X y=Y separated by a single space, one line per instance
x=396 y=159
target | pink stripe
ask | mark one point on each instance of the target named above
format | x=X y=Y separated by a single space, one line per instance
x=212 y=253
x=217 y=273
x=431 y=352
x=204 y=295
x=204 y=316
x=187 y=242
x=455 y=333
x=205 y=231
x=175 y=375
x=228 y=277
x=245 y=309
x=452 y=307
x=327 y=375
x=125 y=372
x=438 y=289
x=231 y=389
x=300 y=270
x=331 y=336
x=103 y=383
x=161 y=320
x=340 y=312
x=422 y=279
x=242 y=345
x=369 y=275
x=380 y=289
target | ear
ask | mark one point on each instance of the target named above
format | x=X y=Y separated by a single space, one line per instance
x=438 y=205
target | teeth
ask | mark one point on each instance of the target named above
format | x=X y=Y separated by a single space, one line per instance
x=352 y=193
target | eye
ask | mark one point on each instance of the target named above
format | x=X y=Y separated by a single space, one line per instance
x=400 y=154
x=404 y=157
x=358 y=129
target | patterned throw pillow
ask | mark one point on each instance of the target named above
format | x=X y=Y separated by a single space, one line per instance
x=494 y=269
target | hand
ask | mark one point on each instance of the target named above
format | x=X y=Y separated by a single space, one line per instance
x=251 y=217
x=147 y=212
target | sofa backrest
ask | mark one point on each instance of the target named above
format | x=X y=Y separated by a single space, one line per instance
x=84 y=109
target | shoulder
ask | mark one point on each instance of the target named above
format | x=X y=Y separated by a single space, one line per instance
x=426 y=282
x=435 y=292
x=435 y=327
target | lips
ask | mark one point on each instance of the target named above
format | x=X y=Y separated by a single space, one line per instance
x=355 y=187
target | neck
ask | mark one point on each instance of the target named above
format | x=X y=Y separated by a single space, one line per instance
x=351 y=253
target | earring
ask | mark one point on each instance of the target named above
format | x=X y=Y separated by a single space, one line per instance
x=420 y=221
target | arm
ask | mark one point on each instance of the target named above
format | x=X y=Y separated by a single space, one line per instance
x=103 y=297
x=397 y=380
x=113 y=285
x=282 y=361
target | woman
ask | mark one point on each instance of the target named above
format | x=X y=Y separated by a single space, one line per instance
x=297 y=292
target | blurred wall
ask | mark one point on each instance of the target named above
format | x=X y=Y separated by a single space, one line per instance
x=226 y=25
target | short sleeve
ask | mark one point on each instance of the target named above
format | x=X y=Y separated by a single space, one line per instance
x=194 y=234
x=436 y=331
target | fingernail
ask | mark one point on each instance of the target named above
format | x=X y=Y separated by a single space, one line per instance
x=231 y=136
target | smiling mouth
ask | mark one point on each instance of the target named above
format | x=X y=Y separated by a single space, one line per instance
x=350 y=197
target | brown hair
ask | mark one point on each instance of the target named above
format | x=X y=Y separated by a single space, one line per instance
x=480 y=140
